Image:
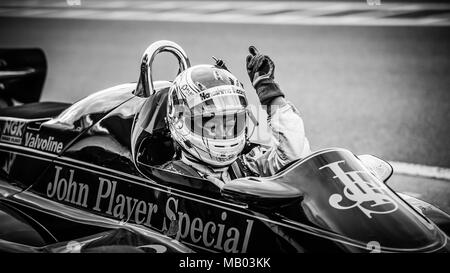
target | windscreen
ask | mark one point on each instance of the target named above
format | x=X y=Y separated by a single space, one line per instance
x=342 y=196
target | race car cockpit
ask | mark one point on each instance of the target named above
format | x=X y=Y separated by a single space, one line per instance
x=151 y=142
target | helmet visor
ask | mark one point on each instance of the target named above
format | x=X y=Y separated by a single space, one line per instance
x=218 y=126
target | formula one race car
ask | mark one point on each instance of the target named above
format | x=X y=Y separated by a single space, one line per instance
x=85 y=177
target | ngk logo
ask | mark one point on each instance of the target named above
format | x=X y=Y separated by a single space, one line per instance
x=12 y=132
x=13 y=128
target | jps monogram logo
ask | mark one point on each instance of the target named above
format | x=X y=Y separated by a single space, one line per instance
x=367 y=195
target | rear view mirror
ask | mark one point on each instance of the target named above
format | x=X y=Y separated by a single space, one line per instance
x=378 y=167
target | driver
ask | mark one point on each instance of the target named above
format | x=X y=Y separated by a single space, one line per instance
x=207 y=117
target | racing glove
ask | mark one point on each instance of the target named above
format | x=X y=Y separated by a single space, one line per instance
x=261 y=70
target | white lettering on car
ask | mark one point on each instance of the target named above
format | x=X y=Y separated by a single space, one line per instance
x=365 y=194
x=226 y=238
x=12 y=131
x=123 y=207
x=68 y=189
x=48 y=144
x=219 y=234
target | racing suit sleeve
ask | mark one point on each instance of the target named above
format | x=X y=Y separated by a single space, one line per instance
x=288 y=139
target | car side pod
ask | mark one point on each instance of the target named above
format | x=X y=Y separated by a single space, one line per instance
x=145 y=86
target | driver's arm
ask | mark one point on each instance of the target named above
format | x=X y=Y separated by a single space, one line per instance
x=288 y=134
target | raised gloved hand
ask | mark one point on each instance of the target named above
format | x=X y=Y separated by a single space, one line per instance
x=261 y=70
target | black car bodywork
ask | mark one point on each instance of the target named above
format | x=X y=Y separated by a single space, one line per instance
x=86 y=176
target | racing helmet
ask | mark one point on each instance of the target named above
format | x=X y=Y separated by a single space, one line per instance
x=207 y=114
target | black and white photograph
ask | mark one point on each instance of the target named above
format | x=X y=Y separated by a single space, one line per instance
x=224 y=128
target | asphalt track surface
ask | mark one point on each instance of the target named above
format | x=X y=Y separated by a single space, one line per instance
x=377 y=90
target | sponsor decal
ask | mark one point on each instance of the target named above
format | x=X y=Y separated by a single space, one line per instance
x=220 y=236
x=68 y=190
x=185 y=91
x=122 y=206
x=165 y=213
x=47 y=144
x=213 y=92
x=365 y=194
x=12 y=132
x=210 y=94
